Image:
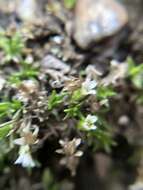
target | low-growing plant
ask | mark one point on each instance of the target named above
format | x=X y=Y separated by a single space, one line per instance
x=135 y=73
x=81 y=105
x=12 y=46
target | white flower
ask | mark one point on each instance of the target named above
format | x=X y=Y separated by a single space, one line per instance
x=27 y=136
x=89 y=122
x=88 y=87
x=25 y=158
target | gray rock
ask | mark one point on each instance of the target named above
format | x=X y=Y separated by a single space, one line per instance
x=96 y=20
x=51 y=62
x=28 y=10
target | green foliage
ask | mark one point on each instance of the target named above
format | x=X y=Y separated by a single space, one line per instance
x=27 y=71
x=76 y=96
x=134 y=69
x=73 y=111
x=104 y=92
x=75 y=100
x=49 y=181
x=55 y=99
x=72 y=104
x=17 y=77
x=8 y=108
x=69 y=4
x=12 y=46
x=97 y=131
x=5 y=129
x=135 y=73
x=100 y=139
x=140 y=99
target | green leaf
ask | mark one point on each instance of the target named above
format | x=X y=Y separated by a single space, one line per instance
x=76 y=96
x=55 y=99
x=140 y=99
x=69 y=4
x=73 y=111
x=138 y=81
x=104 y=92
x=12 y=46
x=14 y=105
x=100 y=139
x=4 y=106
x=5 y=129
x=17 y=77
x=7 y=109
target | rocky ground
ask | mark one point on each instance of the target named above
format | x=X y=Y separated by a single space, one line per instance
x=66 y=46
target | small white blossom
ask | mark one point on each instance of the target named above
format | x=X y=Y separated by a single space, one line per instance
x=28 y=137
x=89 y=123
x=88 y=87
x=25 y=158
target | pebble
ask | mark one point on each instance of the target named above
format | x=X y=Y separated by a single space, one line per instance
x=57 y=39
x=27 y=10
x=123 y=120
x=51 y=62
x=96 y=20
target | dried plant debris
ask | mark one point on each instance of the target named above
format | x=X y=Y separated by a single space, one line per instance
x=69 y=150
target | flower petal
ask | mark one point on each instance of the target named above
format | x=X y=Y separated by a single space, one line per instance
x=20 y=141
x=78 y=153
x=25 y=160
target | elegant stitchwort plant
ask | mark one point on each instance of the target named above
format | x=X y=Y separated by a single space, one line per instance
x=75 y=113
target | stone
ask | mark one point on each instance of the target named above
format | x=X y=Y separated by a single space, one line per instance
x=96 y=20
x=51 y=62
x=27 y=10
